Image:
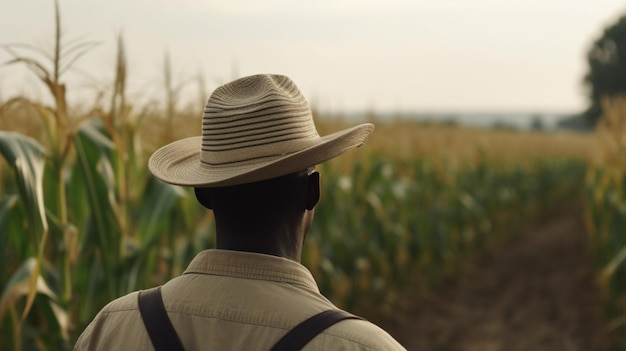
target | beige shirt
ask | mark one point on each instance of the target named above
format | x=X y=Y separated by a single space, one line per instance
x=229 y=300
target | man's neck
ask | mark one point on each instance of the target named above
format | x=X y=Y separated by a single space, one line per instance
x=272 y=243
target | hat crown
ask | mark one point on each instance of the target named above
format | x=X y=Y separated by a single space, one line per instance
x=256 y=117
x=252 y=90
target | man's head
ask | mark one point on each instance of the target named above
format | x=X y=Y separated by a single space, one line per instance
x=253 y=163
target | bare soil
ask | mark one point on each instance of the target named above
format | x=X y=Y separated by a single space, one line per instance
x=536 y=293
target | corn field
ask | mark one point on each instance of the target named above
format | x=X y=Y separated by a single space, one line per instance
x=606 y=212
x=117 y=229
x=393 y=221
x=82 y=221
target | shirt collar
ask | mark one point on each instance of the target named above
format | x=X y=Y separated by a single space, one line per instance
x=248 y=265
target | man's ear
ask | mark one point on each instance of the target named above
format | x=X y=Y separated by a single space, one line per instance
x=313 y=190
x=203 y=197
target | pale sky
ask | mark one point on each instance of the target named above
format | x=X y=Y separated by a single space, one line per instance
x=345 y=55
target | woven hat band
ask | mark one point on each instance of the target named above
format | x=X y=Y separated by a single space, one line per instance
x=226 y=133
x=256 y=152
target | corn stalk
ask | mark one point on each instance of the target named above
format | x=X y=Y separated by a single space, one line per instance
x=606 y=211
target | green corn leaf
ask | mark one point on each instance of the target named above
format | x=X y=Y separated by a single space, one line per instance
x=27 y=158
x=19 y=285
x=11 y=221
x=617 y=261
x=160 y=200
x=102 y=234
x=93 y=150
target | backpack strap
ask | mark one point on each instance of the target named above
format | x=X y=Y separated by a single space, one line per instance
x=158 y=324
x=304 y=332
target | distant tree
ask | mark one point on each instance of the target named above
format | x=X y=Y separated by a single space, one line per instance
x=607 y=67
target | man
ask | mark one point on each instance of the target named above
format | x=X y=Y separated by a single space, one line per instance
x=253 y=166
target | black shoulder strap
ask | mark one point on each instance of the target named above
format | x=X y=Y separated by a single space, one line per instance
x=160 y=328
x=164 y=337
x=304 y=332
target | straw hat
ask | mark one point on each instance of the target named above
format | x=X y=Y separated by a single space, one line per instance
x=254 y=128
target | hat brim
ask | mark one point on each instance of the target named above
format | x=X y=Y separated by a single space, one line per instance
x=179 y=162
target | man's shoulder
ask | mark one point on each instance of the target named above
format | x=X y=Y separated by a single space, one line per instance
x=122 y=303
x=127 y=302
x=362 y=334
x=117 y=326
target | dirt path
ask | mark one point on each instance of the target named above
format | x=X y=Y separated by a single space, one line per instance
x=535 y=294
